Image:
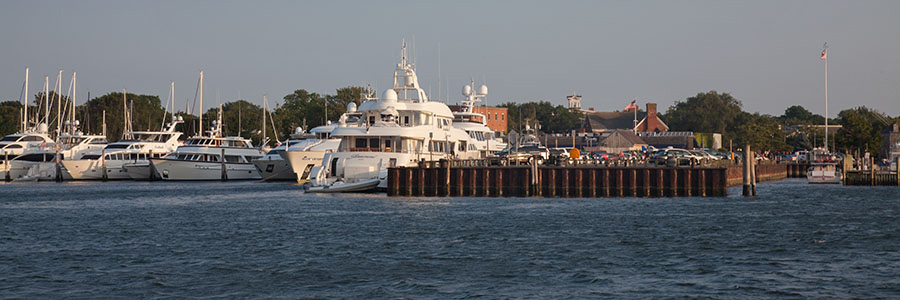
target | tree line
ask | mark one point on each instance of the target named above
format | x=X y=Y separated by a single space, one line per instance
x=796 y=129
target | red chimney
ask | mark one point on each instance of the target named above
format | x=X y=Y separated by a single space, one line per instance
x=651 y=109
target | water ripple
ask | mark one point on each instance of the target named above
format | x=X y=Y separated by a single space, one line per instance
x=215 y=240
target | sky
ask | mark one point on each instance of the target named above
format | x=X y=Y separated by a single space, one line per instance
x=764 y=53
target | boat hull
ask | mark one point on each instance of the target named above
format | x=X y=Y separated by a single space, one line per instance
x=92 y=169
x=139 y=171
x=301 y=163
x=16 y=169
x=274 y=169
x=169 y=169
x=824 y=174
x=368 y=185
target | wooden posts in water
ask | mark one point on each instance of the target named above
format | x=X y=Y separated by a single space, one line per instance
x=59 y=177
x=224 y=170
x=749 y=182
x=550 y=181
x=103 y=175
x=6 y=166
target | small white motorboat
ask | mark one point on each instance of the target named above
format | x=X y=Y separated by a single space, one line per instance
x=823 y=173
x=345 y=187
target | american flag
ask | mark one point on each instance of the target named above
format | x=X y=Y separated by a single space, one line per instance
x=824 y=51
x=633 y=105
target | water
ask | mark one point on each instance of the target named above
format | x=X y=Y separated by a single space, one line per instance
x=269 y=240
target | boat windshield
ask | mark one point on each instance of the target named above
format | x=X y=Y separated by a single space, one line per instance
x=151 y=137
x=10 y=138
x=71 y=140
x=379 y=144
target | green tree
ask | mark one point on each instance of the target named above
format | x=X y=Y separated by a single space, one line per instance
x=709 y=112
x=146 y=111
x=861 y=130
x=761 y=131
x=550 y=119
x=10 y=117
x=798 y=115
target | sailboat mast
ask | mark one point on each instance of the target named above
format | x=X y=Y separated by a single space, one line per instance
x=201 y=103
x=25 y=109
x=59 y=102
x=72 y=113
x=265 y=109
x=124 y=113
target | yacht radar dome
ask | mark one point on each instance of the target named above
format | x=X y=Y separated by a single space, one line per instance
x=390 y=96
x=351 y=107
x=482 y=90
x=467 y=90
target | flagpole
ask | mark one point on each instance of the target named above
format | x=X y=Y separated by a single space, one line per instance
x=826 y=96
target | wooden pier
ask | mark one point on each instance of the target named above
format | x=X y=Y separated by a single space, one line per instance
x=442 y=180
x=871 y=178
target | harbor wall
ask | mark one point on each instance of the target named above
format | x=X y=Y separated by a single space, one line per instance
x=571 y=181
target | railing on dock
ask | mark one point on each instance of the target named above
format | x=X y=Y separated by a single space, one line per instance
x=871 y=178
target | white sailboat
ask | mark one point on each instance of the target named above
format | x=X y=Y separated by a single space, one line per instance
x=823 y=169
x=400 y=129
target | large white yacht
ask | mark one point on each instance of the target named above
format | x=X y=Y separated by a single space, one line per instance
x=209 y=158
x=484 y=139
x=399 y=129
x=307 y=150
x=18 y=143
x=119 y=159
x=289 y=160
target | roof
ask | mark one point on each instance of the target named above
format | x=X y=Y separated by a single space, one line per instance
x=612 y=120
x=622 y=138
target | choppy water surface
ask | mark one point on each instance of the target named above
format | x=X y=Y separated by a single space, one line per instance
x=265 y=240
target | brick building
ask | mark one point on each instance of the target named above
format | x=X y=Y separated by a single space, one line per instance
x=495 y=116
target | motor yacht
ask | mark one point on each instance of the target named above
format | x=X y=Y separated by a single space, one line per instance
x=401 y=128
x=127 y=158
x=823 y=168
x=305 y=151
x=484 y=140
x=210 y=157
x=45 y=164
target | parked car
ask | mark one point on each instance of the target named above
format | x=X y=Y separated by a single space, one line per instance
x=560 y=153
x=678 y=156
